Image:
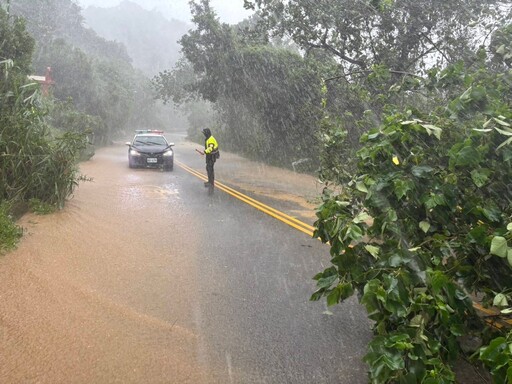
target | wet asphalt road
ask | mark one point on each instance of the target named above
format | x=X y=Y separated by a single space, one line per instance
x=177 y=286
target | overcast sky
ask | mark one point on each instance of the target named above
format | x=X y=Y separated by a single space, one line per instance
x=229 y=11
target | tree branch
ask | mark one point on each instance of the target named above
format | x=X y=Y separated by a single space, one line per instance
x=338 y=53
x=368 y=72
x=330 y=48
x=435 y=46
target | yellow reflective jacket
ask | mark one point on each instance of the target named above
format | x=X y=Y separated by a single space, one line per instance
x=210 y=146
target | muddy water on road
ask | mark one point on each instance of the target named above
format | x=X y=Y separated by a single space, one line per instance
x=74 y=302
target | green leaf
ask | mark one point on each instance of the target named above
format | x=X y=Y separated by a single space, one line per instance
x=509 y=227
x=494 y=348
x=391 y=215
x=466 y=94
x=438 y=281
x=424 y=226
x=317 y=295
x=354 y=232
x=506 y=142
x=439 y=199
x=333 y=297
x=482 y=130
x=326 y=282
x=480 y=176
x=374 y=251
x=505 y=132
x=499 y=246
x=342 y=204
x=361 y=187
x=409 y=122
x=422 y=171
x=402 y=187
x=397 y=259
x=417 y=321
x=500 y=300
x=501 y=122
x=492 y=213
x=467 y=156
x=432 y=129
x=363 y=217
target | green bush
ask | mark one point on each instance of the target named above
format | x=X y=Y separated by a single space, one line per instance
x=34 y=162
x=38 y=162
x=9 y=231
x=424 y=227
x=39 y=207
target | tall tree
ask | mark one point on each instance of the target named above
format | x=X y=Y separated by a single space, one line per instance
x=377 y=44
x=403 y=35
x=253 y=85
x=16 y=44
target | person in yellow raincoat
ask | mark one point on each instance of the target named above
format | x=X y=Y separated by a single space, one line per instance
x=211 y=150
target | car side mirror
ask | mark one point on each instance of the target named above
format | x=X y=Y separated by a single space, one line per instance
x=128 y=143
x=171 y=144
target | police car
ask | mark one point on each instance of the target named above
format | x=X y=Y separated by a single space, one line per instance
x=150 y=149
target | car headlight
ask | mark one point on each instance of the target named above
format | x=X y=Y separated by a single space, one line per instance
x=133 y=152
x=168 y=153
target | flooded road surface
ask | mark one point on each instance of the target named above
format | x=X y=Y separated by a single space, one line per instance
x=143 y=278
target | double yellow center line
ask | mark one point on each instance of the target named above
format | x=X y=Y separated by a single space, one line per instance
x=308 y=229
x=291 y=221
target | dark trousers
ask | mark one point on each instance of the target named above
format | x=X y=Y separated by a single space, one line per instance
x=210 y=161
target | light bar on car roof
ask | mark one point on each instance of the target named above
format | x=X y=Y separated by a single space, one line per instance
x=149 y=131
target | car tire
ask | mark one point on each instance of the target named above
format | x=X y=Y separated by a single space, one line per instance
x=130 y=163
x=169 y=168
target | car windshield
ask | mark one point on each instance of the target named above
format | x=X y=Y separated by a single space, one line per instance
x=150 y=140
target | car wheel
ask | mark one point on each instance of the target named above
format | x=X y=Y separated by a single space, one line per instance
x=130 y=163
x=169 y=168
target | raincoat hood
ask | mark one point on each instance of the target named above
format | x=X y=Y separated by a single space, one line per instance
x=207 y=133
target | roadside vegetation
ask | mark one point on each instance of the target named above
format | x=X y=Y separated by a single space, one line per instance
x=37 y=162
x=95 y=96
x=406 y=108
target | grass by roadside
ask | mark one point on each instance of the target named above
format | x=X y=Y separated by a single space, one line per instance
x=10 y=233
